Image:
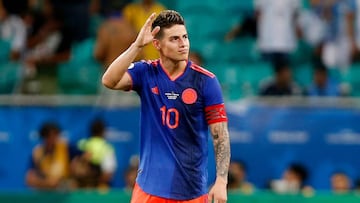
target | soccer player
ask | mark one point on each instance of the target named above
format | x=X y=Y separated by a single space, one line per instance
x=180 y=101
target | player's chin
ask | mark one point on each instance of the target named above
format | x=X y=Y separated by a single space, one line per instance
x=184 y=56
x=181 y=58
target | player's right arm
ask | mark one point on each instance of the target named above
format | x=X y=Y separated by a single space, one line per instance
x=116 y=76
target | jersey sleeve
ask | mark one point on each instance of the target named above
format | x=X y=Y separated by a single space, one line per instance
x=136 y=71
x=214 y=103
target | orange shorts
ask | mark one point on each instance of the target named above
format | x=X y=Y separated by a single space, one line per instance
x=139 y=196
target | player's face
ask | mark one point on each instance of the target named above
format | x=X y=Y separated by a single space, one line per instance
x=175 y=43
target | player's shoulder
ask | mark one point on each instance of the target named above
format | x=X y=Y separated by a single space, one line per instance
x=144 y=64
x=201 y=70
x=152 y=63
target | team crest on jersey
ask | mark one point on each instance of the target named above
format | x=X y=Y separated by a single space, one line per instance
x=189 y=96
x=172 y=95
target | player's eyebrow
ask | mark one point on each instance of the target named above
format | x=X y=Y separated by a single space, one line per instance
x=178 y=36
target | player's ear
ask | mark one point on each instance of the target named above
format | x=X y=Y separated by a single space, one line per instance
x=156 y=44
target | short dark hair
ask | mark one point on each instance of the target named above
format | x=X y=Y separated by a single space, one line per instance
x=47 y=128
x=167 y=19
x=319 y=66
x=281 y=65
x=300 y=170
x=97 y=127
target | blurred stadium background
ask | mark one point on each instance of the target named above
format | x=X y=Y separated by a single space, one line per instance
x=267 y=134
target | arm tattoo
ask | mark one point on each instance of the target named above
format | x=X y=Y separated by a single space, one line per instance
x=221 y=139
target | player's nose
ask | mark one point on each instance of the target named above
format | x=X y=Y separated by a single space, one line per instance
x=182 y=42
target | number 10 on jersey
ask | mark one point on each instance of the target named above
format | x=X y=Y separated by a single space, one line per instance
x=170 y=117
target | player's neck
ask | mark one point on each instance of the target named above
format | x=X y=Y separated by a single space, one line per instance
x=173 y=68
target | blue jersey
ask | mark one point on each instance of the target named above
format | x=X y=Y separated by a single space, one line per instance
x=175 y=114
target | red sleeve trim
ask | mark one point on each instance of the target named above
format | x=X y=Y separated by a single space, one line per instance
x=202 y=70
x=215 y=114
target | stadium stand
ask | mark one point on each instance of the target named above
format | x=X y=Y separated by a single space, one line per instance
x=82 y=73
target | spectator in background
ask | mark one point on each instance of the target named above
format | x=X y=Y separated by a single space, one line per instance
x=282 y=84
x=49 y=169
x=339 y=46
x=313 y=27
x=96 y=165
x=137 y=13
x=323 y=84
x=292 y=180
x=237 y=178
x=340 y=182
x=48 y=44
x=114 y=36
x=48 y=40
x=12 y=27
x=76 y=17
x=247 y=27
x=277 y=28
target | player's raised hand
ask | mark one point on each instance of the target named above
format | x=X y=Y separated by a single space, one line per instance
x=146 y=35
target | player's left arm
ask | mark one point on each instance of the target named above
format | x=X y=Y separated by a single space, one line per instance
x=217 y=120
x=220 y=134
